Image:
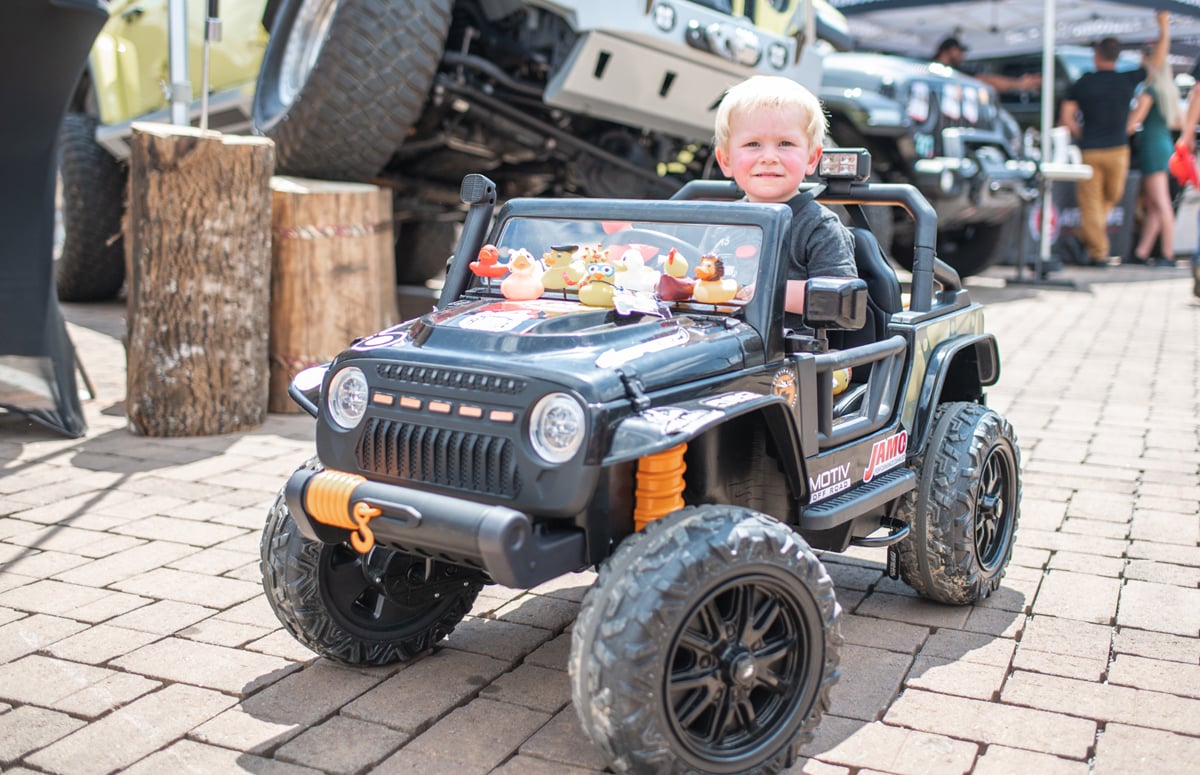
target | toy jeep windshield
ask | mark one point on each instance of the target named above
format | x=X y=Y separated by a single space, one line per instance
x=614 y=384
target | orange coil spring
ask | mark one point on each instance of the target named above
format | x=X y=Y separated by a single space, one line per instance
x=327 y=500
x=659 y=485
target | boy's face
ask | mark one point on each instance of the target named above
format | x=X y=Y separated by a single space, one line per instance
x=768 y=153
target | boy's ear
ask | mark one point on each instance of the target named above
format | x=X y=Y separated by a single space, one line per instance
x=814 y=159
x=722 y=161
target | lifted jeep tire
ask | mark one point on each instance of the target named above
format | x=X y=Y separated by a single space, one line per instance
x=342 y=83
x=709 y=643
x=965 y=509
x=92 y=264
x=372 y=609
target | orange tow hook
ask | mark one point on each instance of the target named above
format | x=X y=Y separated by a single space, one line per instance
x=327 y=499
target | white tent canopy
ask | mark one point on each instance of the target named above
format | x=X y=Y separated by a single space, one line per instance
x=994 y=27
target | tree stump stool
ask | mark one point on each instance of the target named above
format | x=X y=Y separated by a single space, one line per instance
x=333 y=275
x=198 y=255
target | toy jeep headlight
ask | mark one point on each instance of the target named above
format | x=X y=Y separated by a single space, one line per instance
x=556 y=427
x=348 y=397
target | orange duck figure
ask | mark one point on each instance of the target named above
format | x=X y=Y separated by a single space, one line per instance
x=488 y=266
x=524 y=281
x=674 y=284
x=712 y=287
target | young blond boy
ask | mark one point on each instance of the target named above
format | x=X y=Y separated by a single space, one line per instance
x=769 y=131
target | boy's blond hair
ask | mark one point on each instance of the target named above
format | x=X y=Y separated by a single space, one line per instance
x=770 y=91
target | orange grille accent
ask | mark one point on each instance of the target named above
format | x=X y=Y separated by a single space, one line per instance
x=327 y=500
x=659 y=485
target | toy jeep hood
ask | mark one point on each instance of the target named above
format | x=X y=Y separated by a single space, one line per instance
x=582 y=348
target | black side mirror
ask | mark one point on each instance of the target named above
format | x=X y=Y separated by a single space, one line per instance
x=835 y=302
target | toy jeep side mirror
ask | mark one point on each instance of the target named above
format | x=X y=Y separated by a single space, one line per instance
x=835 y=302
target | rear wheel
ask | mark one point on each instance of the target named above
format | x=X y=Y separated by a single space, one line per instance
x=709 y=643
x=91 y=266
x=360 y=609
x=965 y=509
x=342 y=82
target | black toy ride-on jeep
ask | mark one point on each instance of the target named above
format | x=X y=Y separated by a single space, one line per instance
x=609 y=409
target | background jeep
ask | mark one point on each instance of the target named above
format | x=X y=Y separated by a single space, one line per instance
x=945 y=133
x=560 y=97
x=687 y=445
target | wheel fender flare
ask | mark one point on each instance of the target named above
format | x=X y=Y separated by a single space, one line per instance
x=662 y=427
x=964 y=366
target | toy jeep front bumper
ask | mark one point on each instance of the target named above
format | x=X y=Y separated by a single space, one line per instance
x=496 y=539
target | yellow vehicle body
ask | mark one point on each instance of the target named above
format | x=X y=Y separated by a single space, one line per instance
x=129 y=62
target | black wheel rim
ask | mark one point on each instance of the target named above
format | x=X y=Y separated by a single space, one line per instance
x=995 y=508
x=739 y=670
x=353 y=586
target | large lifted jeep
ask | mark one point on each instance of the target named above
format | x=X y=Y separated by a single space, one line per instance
x=695 y=451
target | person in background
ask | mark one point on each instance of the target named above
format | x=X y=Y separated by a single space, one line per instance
x=1096 y=110
x=1187 y=136
x=768 y=135
x=951 y=52
x=1156 y=110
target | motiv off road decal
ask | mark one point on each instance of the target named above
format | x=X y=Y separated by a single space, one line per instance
x=886 y=454
x=829 y=483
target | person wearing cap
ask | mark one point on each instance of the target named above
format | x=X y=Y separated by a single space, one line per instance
x=951 y=52
x=1096 y=111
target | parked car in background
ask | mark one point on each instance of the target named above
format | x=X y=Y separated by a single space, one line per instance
x=125 y=81
x=1070 y=62
x=944 y=132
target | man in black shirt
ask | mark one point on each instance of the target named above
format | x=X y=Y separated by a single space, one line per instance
x=1096 y=109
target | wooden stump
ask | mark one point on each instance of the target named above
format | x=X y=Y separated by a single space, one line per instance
x=333 y=275
x=198 y=254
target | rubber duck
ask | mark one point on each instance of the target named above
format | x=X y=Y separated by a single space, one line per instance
x=637 y=276
x=562 y=270
x=524 y=281
x=488 y=266
x=674 y=284
x=597 y=289
x=712 y=287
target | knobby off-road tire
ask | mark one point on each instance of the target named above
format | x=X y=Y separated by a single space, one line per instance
x=422 y=249
x=91 y=266
x=338 y=602
x=342 y=82
x=965 y=509
x=713 y=616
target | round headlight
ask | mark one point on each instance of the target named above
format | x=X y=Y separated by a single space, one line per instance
x=348 y=397
x=556 y=427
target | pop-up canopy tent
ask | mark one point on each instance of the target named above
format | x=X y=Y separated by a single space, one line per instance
x=995 y=27
x=991 y=27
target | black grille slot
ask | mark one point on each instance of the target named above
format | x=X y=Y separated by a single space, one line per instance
x=450 y=458
x=429 y=376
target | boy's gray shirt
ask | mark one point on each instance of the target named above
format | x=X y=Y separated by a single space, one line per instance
x=819 y=244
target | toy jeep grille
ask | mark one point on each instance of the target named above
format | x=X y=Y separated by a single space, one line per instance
x=451 y=378
x=441 y=456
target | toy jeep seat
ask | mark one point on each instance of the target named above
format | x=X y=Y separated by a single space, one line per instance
x=883 y=296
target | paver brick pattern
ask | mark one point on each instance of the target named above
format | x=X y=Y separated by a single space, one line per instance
x=134 y=635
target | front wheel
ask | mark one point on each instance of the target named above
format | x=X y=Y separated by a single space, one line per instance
x=92 y=264
x=708 y=644
x=359 y=609
x=965 y=509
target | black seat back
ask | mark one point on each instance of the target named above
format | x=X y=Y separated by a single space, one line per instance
x=883 y=296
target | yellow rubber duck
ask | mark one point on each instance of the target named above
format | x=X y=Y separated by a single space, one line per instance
x=562 y=270
x=712 y=287
x=524 y=281
x=597 y=289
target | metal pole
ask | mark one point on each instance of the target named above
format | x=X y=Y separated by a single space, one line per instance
x=212 y=34
x=180 y=87
x=1043 y=257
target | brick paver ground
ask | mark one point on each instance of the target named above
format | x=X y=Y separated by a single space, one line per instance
x=134 y=635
